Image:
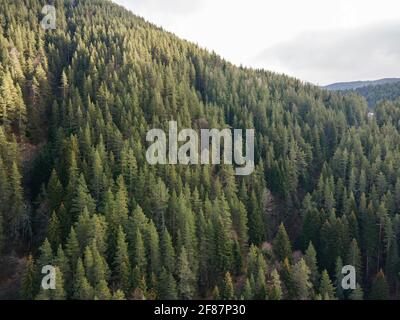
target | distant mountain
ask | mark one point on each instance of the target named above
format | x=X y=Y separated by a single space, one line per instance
x=377 y=93
x=360 y=84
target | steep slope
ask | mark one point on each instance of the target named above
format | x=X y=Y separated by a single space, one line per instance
x=79 y=101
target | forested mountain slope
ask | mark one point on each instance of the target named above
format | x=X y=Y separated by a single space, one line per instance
x=77 y=193
x=361 y=84
x=376 y=94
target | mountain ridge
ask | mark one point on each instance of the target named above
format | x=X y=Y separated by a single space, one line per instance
x=351 y=85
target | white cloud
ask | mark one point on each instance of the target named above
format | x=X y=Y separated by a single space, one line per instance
x=170 y=7
x=240 y=30
x=324 y=57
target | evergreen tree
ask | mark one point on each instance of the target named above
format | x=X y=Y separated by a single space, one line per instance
x=29 y=281
x=102 y=292
x=167 y=289
x=227 y=289
x=301 y=280
x=72 y=248
x=54 y=231
x=186 y=282
x=311 y=261
x=282 y=247
x=121 y=262
x=82 y=289
x=380 y=288
x=339 y=278
x=275 y=290
x=326 y=289
x=354 y=258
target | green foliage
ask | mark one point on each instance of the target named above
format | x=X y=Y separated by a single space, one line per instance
x=380 y=287
x=326 y=289
x=75 y=107
x=29 y=285
x=122 y=265
x=301 y=280
x=227 y=289
x=282 y=246
x=186 y=282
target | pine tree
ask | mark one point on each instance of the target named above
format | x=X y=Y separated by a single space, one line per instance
x=354 y=258
x=167 y=251
x=82 y=289
x=121 y=262
x=61 y=261
x=339 y=278
x=311 y=261
x=288 y=280
x=301 y=280
x=216 y=294
x=54 y=231
x=118 y=295
x=153 y=248
x=227 y=289
x=282 y=247
x=139 y=254
x=59 y=292
x=256 y=224
x=247 y=290
x=72 y=248
x=102 y=292
x=239 y=215
x=186 y=283
x=45 y=256
x=261 y=284
x=29 y=285
x=121 y=205
x=275 y=290
x=357 y=294
x=100 y=270
x=17 y=199
x=326 y=289
x=82 y=199
x=167 y=286
x=380 y=288
x=54 y=191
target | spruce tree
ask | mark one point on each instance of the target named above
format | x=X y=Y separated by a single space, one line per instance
x=311 y=261
x=301 y=280
x=82 y=290
x=122 y=263
x=186 y=282
x=29 y=284
x=282 y=247
x=167 y=289
x=227 y=289
x=275 y=290
x=380 y=288
x=326 y=289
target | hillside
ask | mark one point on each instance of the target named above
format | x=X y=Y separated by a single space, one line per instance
x=77 y=193
x=375 y=94
x=361 y=84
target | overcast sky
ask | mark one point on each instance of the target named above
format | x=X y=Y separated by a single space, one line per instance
x=320 y=41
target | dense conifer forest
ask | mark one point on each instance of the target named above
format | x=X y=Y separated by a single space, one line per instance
x=380 y=93
x=76 y=191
